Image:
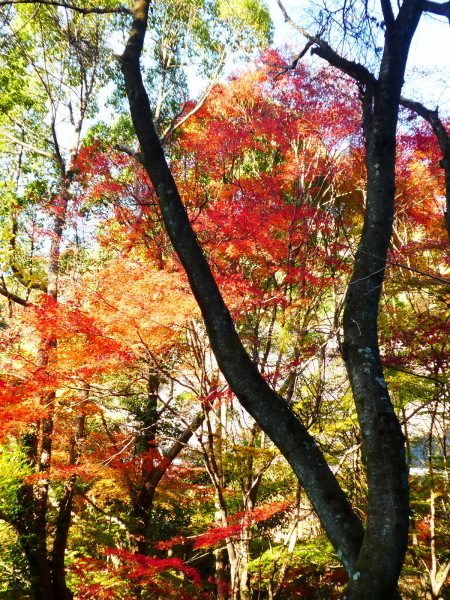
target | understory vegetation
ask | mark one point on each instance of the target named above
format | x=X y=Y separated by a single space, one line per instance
x=129 y=467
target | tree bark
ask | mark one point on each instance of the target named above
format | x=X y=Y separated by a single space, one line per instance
x=385 y=541
x=443 y=139
x=47 y=579
x=267 y=408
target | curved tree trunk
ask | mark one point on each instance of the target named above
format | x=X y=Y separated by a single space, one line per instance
x=374 y=559
x=386 y=537
x=269 y=410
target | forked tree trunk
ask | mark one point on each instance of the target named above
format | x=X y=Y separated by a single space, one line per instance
x=386 y=537
x=269 y=410
x=373 y=560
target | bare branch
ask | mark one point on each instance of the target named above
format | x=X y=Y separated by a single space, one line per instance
x=83 y=11
x=15 y=140
x=433 y=119
x=325 y=51
x=395 y=263
x=388 y=13
x=186 y=435
x=438 y=9
x=17 y=299
x=136 y=155
x=288 y=19
x=295 y=61
x=176 y=122
x=351 y=68
x=443 y=138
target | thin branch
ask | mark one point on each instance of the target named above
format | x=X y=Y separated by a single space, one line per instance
x=414 y=374
x=17 y=299
x=295 y=61
x=186 y=435
x=15 y=140
x=83 y=11
x=24 y=127
x=288 y=19
x=424 y=273
x=136 y=155
x=438 y=9
x=176 y=122
x=350 y=450
x=325 y=51
x=402 y=266
x=112 y=518
x=118 y=453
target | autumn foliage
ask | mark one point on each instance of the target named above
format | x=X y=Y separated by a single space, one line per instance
x=163 y=473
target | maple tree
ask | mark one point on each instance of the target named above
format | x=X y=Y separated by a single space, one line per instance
x=373 y=560
x=72 y=65
x=100 y=337
x=256 y=300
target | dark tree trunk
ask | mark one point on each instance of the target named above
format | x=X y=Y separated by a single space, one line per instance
x=64 y=519
x=374 y=559
x=386 y=537
x=268 y=409
x=31 y=523
x=63 y=523
x=41 y=585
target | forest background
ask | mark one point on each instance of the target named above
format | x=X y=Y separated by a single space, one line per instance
x=129 y=467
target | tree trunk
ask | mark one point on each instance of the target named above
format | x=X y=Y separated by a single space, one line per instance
x=64 y=518
x=269 y=410
x=385 y=541
x=41 y=584
x=47 y=578
x=220 y=574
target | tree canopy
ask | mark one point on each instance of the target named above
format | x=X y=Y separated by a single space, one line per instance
x=223 y=367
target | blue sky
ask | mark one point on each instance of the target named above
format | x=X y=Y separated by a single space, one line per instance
x=428 y=78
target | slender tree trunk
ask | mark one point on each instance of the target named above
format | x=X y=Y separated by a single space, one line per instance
x=386 y=536
x=269 y=410
x=64 y=518
x=437 y=575
x=220 y=573
x=33 y=497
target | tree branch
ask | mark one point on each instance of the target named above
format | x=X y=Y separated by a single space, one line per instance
x=349 y=67
x=15 y=140
x=325 y=51
x=126 y=150
x=433 y=119
x=25 y=281
x=83 y=11
x=438 y=9
x=288 y=19
x=294 y=62
x=388 y=13
x=17 y=299
x=443 y=138
x=176 y=122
